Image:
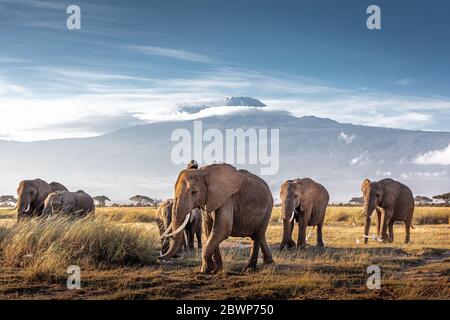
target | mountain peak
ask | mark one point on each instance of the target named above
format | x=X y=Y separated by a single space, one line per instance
x=243 y=101
x=222 y=102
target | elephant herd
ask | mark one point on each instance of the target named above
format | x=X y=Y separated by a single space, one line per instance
x=237 y=203
x=37 y=198
x=227 y=202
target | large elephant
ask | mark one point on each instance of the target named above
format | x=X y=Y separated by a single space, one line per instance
x=394 y=201
x=237 y=203
x=192 y=230
x=76 y=204
x=32 y=194
x=304 y=201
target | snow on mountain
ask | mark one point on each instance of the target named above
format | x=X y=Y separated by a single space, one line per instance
x=137 y=159
x=224 y=102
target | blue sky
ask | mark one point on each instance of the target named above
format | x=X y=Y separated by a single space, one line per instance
x=136 y=61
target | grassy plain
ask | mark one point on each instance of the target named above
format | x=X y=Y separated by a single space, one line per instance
x=117 y=253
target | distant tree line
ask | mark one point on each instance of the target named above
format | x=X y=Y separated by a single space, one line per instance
x=7 y=201
x=420 y=201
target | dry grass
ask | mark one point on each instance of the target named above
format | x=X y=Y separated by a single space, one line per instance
x=45 y=246
x=128 y=215
x=117 y=250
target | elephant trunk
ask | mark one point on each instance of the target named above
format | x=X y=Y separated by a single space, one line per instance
x=180 y=218
x=368 y=209
x=287 y=212
x=23 y=207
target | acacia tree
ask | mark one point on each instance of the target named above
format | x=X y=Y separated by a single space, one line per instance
x=357 y=200
x=141 y=200
x=101 y=200
x=6 y=200
x=444 y=197
x=422 y=199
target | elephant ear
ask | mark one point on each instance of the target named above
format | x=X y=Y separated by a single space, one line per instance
x=43 y=190
x=222 y=181
x=365 y=184
x=390 y=191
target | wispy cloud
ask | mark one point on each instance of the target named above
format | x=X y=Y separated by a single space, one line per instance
x=405 y=82
x=51 y=95
x=178 y=54
x=440 y=157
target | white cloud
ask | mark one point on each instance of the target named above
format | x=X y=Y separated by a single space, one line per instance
x=348 y=139
x=171 y=53
x=423 y=174
x=52 y=95
x=441 y=157
x=380 y=173
x=361 y=159
x=405 y=82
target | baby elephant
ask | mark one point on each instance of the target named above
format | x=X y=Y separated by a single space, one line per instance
x=77 y=204
x=192 y=227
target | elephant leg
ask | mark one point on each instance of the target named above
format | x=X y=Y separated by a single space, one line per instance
x=386 y=215
x=267 y=255
x=217 y=258
x=221 y=229
x=254 y=254
x=391 y=232
x=302 y=224
x=378 y=221
x=319 y=235
x=191 y=240
x=407 y=230
x=199 y=239
x=207 y=262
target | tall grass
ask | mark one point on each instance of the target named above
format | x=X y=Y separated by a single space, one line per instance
x=46 y=247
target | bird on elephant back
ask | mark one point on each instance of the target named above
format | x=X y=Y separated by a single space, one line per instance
x=237 y=203
x=31 y=195
x=74 y=204
x=192 y=227
x=393 y=201
x=303 y=201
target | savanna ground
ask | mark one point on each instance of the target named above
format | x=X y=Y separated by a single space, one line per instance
x=117 y=254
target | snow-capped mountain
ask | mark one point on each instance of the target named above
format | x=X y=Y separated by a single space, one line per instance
x=224 y=102
x=137 y=160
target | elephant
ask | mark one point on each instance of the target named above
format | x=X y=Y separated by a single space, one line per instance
x=303 y=201
x=393 y=200
x=237 y=203
x=75 y=204
x=32 y=194
x=192 y=229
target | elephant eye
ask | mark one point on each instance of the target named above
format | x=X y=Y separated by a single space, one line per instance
x=193 y=192
x=295 y=196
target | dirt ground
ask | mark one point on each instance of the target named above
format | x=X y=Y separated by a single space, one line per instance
x=419 y=270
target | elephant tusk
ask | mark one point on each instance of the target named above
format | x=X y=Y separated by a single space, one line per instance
x=292 y=216
x=28 y=208
x=373 y=237
x=166 y=232
x=186 y=220
x=309 y=234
